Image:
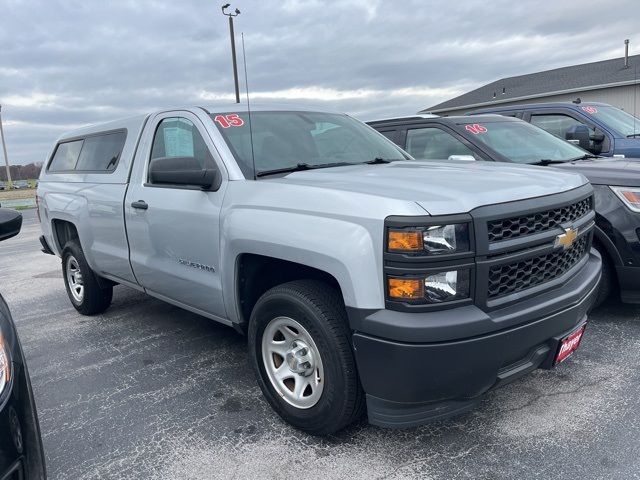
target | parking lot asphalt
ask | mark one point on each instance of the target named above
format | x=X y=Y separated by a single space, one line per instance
x=147 y=390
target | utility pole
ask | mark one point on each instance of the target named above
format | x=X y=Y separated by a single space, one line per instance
x=233 y=46
x=4 y=149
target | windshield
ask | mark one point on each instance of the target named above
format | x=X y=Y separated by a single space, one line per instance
x=284 y=140
x=521 y=142
x=618 y=120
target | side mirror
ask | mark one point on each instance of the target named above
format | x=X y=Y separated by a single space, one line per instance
x=578 y=134
x=463 y=158
x=183 y=171
x=10 y=223
x=597 y=137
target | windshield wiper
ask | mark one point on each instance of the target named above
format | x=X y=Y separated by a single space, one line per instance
x=548 y=161
x=380 y=160
x=586 y=156
x=633 y=135
x=300 y=167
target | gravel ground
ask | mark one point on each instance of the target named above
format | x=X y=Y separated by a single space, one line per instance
x=147 y=390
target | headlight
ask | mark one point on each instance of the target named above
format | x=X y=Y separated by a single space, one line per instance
x=5 y=365
x=630 y=197
x=430 y=240
x=431 y=288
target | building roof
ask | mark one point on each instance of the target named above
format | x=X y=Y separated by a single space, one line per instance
x=576 y=78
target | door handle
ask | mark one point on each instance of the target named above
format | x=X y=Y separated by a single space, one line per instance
x=140 y=204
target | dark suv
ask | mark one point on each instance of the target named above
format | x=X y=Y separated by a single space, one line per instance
x=21 y=454
x=611 y=131
x=505 y=139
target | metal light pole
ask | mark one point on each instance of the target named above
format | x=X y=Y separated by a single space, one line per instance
x=4 y=149
x=233 y=46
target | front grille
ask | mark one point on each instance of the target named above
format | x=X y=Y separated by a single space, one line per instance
x=518 y=276
x=504 y=229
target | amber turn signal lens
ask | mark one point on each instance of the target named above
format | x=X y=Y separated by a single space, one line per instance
x=405 y=241
x=632 y=196
x=406 y=288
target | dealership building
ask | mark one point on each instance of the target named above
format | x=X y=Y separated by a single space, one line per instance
x=612 y=81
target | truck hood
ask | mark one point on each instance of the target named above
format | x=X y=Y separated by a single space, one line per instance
x=624 y=172
x=442 y=188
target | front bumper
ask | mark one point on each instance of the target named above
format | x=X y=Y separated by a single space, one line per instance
x=629 y=281
x=443 y=370
x=619 y=235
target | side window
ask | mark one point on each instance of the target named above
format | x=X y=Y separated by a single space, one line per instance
x=393 y=135
x=179 y=138
x=434 y=144
x=66 y=156
x=556 y=124
x=101 y=152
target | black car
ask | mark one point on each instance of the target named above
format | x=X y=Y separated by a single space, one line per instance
x=505 y=139
x=21 y=453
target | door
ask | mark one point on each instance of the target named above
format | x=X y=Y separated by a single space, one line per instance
x=174 y=231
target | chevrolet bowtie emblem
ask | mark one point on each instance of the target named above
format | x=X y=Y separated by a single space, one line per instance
x=566 y=239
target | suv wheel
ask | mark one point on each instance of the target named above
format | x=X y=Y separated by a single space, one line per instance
x=299 y=346
x=81 y=282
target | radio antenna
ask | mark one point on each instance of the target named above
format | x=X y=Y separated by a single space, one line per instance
x=246 y=84
x=635 y=91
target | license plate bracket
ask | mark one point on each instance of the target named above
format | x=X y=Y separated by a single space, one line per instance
x=569 y=344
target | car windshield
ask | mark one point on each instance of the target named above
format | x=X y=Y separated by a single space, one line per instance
x=618 y=120
x=521 y=142
x=280 y=140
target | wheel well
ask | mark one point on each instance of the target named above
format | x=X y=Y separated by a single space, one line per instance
x=257 y=273
x=64 y=231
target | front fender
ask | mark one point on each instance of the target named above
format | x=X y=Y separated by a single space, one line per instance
x=349 y=251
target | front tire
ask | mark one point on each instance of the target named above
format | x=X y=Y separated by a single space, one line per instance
x=85 y=293
x=607 y=280
x=299 y=348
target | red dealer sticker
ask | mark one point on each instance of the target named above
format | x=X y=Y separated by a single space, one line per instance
x=230 y=120
x=569 y=344
x=476 y=128
x=590 y=110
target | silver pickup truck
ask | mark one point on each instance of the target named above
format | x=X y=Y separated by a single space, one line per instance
x=363 y=279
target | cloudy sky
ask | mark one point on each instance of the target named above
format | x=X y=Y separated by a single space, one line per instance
x=68 y=63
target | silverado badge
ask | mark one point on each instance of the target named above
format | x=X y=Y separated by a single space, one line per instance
x=566 y=239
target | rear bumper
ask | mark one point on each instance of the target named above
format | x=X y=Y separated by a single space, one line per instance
x=409 y=383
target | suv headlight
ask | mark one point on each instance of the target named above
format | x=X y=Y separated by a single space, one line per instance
x=630 y=196
x=5 y=365
x=429 y=240
x=430 y=288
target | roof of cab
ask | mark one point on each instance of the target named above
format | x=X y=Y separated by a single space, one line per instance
x=404 y=118
x=137 y=120
x=527 y=106
x=264 y=106
x=456 y=119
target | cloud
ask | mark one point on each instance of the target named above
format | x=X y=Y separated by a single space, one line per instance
x=69 y=63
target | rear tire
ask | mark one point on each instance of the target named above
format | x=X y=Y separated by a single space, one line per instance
x=81 y=282
x=313 y=382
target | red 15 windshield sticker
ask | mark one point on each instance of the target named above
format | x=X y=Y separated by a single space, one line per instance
x=590 y=110
x=476 y=128
x=230 y=120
